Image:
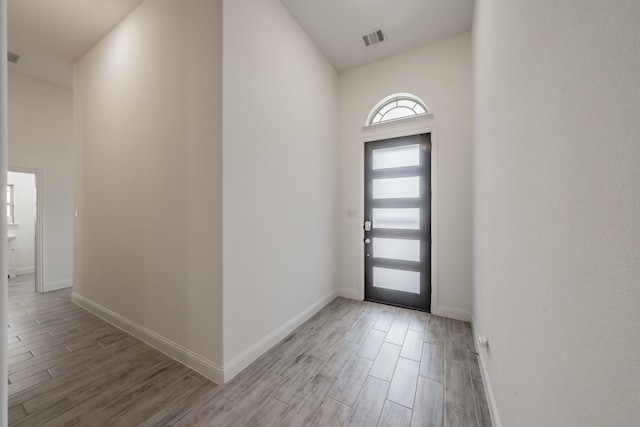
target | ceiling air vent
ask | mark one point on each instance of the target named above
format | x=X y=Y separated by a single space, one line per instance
x=375 y=37
x=13 y=57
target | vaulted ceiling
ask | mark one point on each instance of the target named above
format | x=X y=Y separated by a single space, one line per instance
x=64 y=29
x=67 y=29
x=337 y=25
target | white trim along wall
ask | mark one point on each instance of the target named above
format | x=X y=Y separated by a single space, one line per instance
x=208 y=368
x=486 y=382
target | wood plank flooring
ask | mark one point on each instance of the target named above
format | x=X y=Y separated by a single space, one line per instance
x=354 y=363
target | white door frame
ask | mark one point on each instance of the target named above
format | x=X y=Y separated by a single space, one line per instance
x=396 y=129
x=39 y=233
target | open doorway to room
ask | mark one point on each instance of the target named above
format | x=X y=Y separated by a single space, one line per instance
x=24 y=220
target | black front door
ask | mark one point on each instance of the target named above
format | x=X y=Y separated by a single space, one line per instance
x=398 y=221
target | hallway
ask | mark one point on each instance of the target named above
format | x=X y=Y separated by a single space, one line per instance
x=354 y=363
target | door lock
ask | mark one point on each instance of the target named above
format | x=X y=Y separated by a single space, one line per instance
x=367 y=225
x=367 y=240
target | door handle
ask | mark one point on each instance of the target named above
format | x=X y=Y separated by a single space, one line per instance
x=367 y=225
x=367 y=240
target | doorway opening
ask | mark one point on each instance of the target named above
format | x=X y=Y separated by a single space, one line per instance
x=397 y=224
x=24 y=225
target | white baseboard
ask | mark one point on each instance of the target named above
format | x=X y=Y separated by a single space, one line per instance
x=206 y=367
x=349 y=293
x=60 y=284
x=25 y=270
x=488 y=390
x=172 y=349
x=244 y=359
x=452 y=313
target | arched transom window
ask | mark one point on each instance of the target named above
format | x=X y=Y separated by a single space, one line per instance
x=397 y=106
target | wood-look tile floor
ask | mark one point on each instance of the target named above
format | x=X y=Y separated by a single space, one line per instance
x=354 y=363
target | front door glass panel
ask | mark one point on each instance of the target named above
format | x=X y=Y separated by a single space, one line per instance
x=397 y=188
x=396 y=157
x=401 y=249
x=396 y=280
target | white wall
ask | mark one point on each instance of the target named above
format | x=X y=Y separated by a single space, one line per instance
x=439 y=74
x=280 y=168
x=149 y=177
x=557 y=196
x=41 y=137
x=24 y=214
